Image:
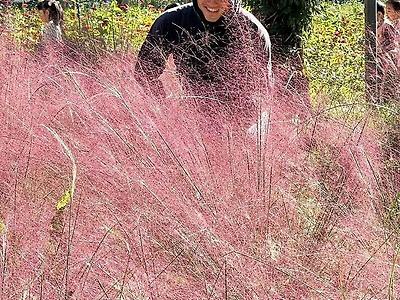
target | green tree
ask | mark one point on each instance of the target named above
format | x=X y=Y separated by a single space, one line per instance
x=285 y=20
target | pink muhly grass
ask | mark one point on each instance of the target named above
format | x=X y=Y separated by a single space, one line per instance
x=173 y=203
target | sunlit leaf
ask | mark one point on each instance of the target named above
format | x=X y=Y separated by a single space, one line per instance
x=2 y=227
x=64 y=200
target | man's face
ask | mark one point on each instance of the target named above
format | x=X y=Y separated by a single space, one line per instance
x=213 y=9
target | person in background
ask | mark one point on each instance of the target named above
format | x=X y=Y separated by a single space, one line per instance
x=389 y=29
x=380 y=14
x=51 y=14
x=388 y=41
x=393 y=10
x=214 y=45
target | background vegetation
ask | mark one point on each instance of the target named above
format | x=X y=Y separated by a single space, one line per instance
x=332 y=47
x=286 y=19
x=332 y=41
x=106 y=26
x=334 y=54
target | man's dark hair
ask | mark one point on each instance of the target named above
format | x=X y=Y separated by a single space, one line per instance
x=395 y=4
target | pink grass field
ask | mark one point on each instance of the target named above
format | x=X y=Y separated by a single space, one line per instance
x=172 y=203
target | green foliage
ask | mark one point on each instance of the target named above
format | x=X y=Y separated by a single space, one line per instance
x=2 y=227
x=64 y=200
x=393 y=212
x=25 y=26
x=107 y=26
x=334 y=56
x=285 y=20
x=390 y=112
x=161 y=4
x=309 y=210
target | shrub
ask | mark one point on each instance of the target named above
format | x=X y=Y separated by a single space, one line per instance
x=285 y=20
x=24 y=25
x=105 y=27
x=334 y=56
x=111 y=27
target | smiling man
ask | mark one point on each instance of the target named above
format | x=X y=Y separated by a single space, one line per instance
x=215 y=45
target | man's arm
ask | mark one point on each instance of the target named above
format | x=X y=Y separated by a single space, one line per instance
x=153 y=55
x=261 y=41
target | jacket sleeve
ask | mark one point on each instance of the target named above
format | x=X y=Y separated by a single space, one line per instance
x=153 y=55
x=261 y=41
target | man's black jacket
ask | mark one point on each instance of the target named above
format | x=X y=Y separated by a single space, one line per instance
x=203 y=52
